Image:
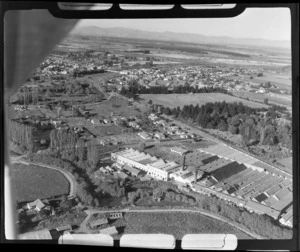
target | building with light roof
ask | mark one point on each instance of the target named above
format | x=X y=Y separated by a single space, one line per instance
x=153 y=166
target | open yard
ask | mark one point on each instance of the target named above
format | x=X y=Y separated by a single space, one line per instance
x=174 y=100
x=34 y=182
x=175 y=223
x=287 y=162
x=163 y=149
x=117 y=106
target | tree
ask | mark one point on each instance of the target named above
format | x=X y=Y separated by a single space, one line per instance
x=266 y=101
x=157 y=193
x=142 y=146
x=92 y=154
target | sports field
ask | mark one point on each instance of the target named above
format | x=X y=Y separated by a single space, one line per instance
x=34 y=182
x=174 y=100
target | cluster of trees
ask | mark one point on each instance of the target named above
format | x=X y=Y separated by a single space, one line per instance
x=237 y=118
x=135 y=89
x=67 y=145
x=134 y=196
x=114 y=188
x=26 y=96
x=85 y=72
x=170 y=195
x=260 y=224
x=21 y=135
x=80 y=87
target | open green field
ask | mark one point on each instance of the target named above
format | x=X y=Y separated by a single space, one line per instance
x=175 y=223
x=33 y=182
x=174 y=100
x=278 y=80
x=117 y=106
x=163 y=149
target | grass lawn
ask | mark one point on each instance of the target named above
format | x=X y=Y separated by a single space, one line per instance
x=174 y=100
x=119 y=106
x=34 y=182
x=175 y=223
x=287 y=162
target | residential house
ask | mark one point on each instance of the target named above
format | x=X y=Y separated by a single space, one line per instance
x=95 y=121
x=179 y=150
x=97 y=223
x=160 y=136
x=64 y=228
x=116 y=215
x=37 y=205
x=144 y=135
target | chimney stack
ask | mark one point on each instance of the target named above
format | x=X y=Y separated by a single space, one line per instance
x=196 y=175
x=183 y=163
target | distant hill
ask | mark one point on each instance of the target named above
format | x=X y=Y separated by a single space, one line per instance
x=180 y=37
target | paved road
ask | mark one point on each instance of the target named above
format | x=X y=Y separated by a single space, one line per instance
x=68 y=175
x=89 y=212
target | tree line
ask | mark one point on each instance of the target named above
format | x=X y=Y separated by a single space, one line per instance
x=21 y=135
x=256 y=125
x=135 y=89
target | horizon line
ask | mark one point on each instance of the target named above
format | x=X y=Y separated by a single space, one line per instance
x=216 y=36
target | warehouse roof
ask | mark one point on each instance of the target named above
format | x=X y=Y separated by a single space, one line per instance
x=131 y=169
x=274 y=189
x=227 y=171
x=282 y=193
x=261 y=197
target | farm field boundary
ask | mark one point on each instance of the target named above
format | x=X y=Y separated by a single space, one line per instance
x=68 y=175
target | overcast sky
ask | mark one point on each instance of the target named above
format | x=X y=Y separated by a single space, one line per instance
x=264 y=23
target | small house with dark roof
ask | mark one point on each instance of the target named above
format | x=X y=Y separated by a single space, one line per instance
x=64 y=228
x=97 y=223
x=133 y=171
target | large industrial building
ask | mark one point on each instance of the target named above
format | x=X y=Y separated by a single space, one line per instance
x=153 y=166
x=263 y=192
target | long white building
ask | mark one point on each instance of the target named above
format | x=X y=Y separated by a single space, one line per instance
x=155 y=167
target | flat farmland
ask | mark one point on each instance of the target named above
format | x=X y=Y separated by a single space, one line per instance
x=175 y=55
x=105 y=130
x=174 y=100
x=116 y=107
x=33 y=182
x=278 y=80
x=283 y=100
x=176 y=223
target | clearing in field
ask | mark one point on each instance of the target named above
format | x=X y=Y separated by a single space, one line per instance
x=118 y=106
x=174 y=100
x=33 y=182
x=175 y=223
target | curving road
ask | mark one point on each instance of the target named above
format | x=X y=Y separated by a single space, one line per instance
x=68 y=175
x=89 y=212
